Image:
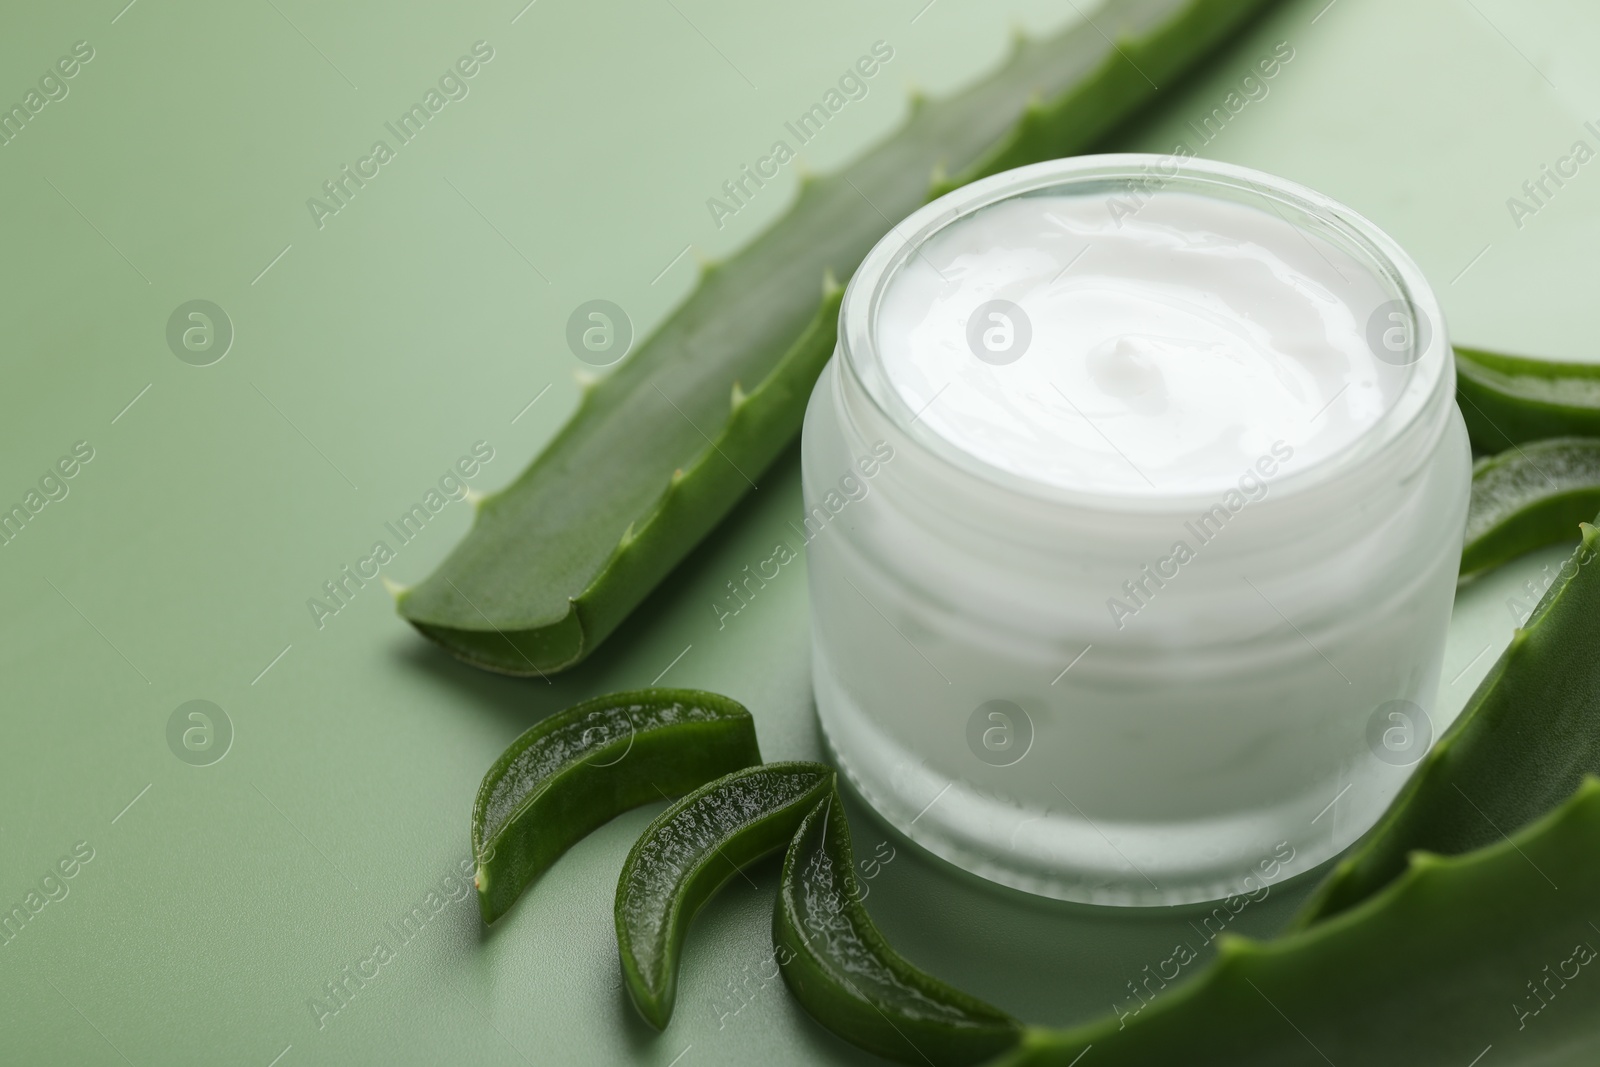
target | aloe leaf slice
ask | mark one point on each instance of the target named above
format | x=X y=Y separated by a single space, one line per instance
x=660 y=450
x=581 y=767
x=1526 y=738
x=1494 y=948
x=686 y=855
x=846 y=976
x=1509 y=400
x=1530 y=496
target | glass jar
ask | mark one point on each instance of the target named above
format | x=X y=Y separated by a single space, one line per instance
x=1250 y=709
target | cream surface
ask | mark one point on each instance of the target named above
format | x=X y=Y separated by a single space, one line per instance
x=1158 y=351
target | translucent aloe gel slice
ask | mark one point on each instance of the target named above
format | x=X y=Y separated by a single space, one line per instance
x=688 y=853
x=1510 y=400
x=1530 y=496
x=846 y=975
x=581 y=767
x=661 y=450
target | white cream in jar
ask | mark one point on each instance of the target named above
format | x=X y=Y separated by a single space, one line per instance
x=1161 y=565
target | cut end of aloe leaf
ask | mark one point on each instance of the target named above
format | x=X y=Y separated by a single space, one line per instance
x=524 y=653
x=486 y=895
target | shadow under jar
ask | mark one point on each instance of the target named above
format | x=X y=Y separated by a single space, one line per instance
x=1135 y=494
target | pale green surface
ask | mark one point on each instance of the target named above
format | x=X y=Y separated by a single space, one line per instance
x=406 y=330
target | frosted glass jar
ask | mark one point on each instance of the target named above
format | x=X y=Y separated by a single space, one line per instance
x=1015 y=663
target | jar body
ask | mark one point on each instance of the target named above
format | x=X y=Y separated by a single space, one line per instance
x=1249 y=722
x=1152 y=698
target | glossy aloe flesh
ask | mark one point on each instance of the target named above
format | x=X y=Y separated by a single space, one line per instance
x=1525 y=739
x=581 y=767
x=1530 y=496
x=1509 y=400
x=847 y=977
x=1496 y=948
x=687 y=853
x=660 y=450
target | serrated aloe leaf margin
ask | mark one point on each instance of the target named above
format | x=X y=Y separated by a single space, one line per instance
x=657 y=452
x=1527 y=735
x=1493 y=948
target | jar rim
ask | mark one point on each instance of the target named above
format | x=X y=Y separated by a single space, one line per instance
x=1428 y=376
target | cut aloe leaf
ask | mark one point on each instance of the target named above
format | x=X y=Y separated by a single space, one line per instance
x=846 y=976
x=1508 y=400
x=1526 y=738
x=1530 y=496
x=687 y=854
x=659 y=451
x=1494 y=948
x=581 y=767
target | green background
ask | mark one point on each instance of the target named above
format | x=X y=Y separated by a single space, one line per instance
x=424 y=317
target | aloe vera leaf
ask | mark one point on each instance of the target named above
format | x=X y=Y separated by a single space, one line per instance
x=1495 y=947
x=580 y=768
x=657 y=454
x=1528 y=497
x=1527 y=735
x=1508 y=400
x=846 y=976
x=686 y=855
